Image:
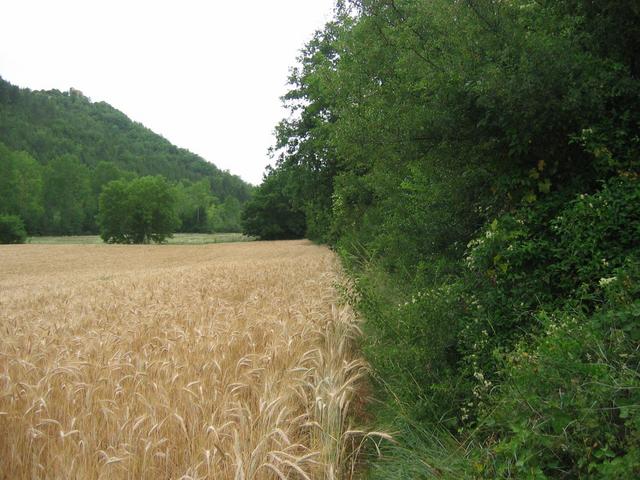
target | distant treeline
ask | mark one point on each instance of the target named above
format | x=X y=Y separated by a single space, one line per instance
x=58 y=149
x=476 y=164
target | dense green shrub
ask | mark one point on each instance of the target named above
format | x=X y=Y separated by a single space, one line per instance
x=525 y=261
x=568 y=402
x=594 y=235
x=12 y=229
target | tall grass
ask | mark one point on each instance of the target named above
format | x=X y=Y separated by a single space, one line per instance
x=231 y=361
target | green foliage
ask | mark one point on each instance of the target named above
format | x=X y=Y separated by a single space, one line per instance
x=67 y=200
x=270 y=214
x=230 y=215
x=200 y=211
x=113 y=216
x=595 y=234
x=105 y=172
x=139 y=211
x=530 y=259
x=568 y=404
x=12 y=229
x=21 y=187
x=410 y=338
x=39 y=128
x=476 y=165
x=193 y=202
x=48 y=124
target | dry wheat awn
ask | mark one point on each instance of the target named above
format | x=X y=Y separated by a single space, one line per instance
x=230 y=361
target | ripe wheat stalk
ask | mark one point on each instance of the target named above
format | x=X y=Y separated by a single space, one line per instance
x=228 y=361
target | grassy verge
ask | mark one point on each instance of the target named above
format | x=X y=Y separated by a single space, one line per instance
x=178 y=239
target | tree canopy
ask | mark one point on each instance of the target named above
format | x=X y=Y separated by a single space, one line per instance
x=138 y=211
x=475 y=163
x=270 y=214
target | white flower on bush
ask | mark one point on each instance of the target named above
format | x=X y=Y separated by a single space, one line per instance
x=604 y=281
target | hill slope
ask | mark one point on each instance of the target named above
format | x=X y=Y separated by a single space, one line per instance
x=48 y=124
x=99 y=142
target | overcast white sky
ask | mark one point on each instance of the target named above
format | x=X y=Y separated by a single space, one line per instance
x=207 y=75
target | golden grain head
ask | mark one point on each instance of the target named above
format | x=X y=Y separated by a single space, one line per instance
x=225 y=361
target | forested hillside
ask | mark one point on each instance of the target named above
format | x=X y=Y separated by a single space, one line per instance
x=477 y=166
x=57 y=150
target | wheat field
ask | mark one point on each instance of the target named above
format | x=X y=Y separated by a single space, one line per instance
x=230 y=361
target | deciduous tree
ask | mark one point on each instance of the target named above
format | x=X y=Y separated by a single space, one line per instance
x=139 y=211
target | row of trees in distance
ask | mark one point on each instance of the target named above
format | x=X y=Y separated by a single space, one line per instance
x=61 y=198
